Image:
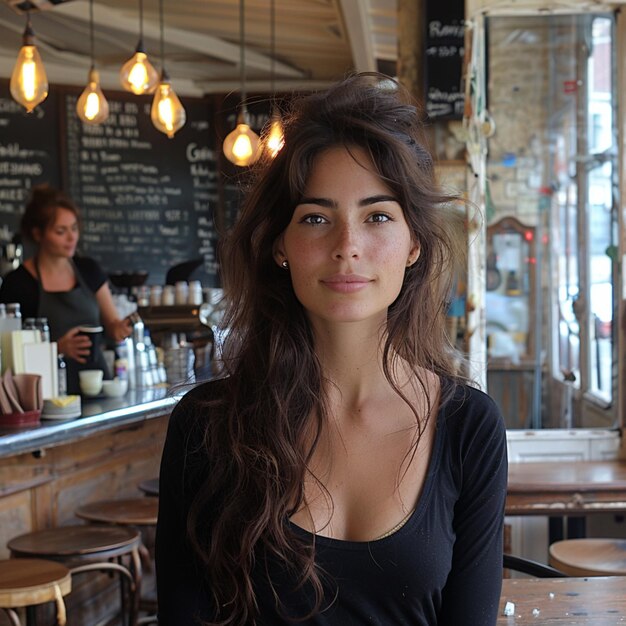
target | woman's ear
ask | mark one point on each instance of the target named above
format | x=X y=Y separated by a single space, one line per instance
x=414 y=254
x=35 y=234
x=278 y=251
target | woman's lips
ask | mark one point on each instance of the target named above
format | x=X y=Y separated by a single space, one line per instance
x=346 y=283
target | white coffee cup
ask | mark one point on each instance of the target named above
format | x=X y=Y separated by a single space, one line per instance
x=90 y=382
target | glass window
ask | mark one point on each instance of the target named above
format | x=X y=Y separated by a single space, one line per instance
x=552 y=168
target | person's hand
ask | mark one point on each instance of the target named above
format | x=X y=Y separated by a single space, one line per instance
x=74 y=345
x=121 y=329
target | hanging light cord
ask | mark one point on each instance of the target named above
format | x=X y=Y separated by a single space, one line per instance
x=242 y=56
x=162 y=36
x=141 y=21
x=272 y=43
x=93 y=55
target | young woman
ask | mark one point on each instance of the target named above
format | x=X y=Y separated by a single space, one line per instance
x=340 y=473
x=70 y=291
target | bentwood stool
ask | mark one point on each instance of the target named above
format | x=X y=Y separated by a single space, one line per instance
x=132 y=512
x=589 y=557
x=86 y=548
x=125 y=512
x=29 y=582
x=150 y=487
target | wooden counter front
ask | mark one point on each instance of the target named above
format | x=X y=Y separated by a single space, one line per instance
x=46 y=472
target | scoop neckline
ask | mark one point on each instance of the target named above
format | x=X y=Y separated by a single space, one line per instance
x=413 y=519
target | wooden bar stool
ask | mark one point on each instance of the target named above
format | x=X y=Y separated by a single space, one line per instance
x=589 y=557
x=126 y=512
x=141 y=512
x=150 y=487
x=28 y=582
x=77 y=545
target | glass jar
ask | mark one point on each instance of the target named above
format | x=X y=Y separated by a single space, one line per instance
x=41 y=324
x=14 y=310
x=29 y=324
x=61 y=376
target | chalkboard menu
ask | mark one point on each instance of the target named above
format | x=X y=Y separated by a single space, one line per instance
x=147 y=201
x=28 y=155
x=444 y=58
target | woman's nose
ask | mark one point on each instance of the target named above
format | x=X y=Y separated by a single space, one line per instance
x=347 y=245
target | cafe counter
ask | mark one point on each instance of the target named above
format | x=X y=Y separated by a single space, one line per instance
x=48 y=470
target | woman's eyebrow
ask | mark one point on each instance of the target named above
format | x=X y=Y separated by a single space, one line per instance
x=331 y=204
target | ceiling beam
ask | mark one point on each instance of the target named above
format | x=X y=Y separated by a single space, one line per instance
x=357 y=23
x=197 y=42
x=262 y=86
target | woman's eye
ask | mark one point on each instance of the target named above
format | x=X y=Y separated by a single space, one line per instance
x=378 y=218
x=314 y=219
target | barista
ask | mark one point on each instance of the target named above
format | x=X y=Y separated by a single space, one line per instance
x=71 y=291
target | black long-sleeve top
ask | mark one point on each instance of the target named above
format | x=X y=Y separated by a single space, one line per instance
x=442 y=567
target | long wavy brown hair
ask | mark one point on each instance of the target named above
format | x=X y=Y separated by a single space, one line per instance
x=258 y=435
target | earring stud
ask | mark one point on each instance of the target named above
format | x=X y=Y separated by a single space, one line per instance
x=285 y=264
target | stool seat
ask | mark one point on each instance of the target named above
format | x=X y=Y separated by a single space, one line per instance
x=27 y=582
x=150 y=487
x=132 y=511
x=77 y=542
x=589 y=557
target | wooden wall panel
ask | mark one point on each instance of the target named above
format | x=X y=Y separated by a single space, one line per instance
x=15 y=517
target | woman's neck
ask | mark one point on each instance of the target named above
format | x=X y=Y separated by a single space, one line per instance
x=51 y=262
x=351 y=356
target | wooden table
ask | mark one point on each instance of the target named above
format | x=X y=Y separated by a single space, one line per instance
x=566 y=488
x=599 y=601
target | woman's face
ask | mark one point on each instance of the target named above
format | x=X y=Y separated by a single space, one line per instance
x=347 y=244
x=61 y=236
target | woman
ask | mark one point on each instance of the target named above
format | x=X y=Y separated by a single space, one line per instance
x=70 y=291
x=341 y=473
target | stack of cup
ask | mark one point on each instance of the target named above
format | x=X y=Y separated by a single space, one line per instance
x=195 y=292
x=178 y=363
x=182 y=292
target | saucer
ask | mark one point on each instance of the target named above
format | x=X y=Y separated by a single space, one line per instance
x=60 y=416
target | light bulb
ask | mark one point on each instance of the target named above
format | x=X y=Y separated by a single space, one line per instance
x=241 y=146
x=138 y=74
x=29 y=83
x=275 y=139
x=167 y=113
x=92 y=107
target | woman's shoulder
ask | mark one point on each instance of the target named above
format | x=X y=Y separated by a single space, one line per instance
x=91 y=271
x=17 y=284
x=199 y=400
x=470 y=411
x=18 y=276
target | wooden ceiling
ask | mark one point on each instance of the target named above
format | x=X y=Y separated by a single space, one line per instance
x=316 y=41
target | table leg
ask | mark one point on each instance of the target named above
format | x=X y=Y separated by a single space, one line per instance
x=555 y=529
x=576 y=527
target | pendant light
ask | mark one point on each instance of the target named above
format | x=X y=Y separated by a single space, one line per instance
x=92 y=107
x=167 y=113
x=138 y=74
x=29 y=83
x=275 y=139
x=241 y=145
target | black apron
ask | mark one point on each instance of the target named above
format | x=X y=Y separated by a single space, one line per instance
x=66 y=310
